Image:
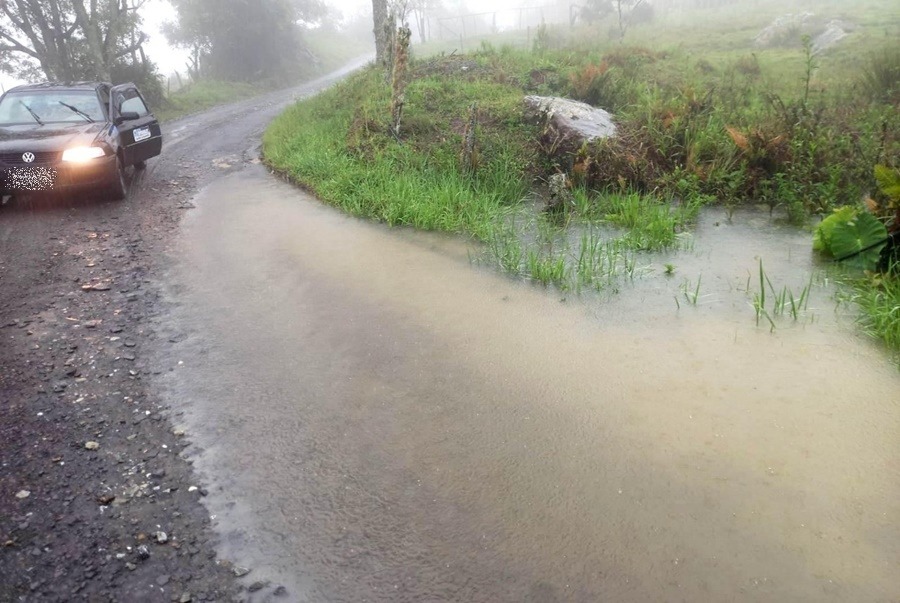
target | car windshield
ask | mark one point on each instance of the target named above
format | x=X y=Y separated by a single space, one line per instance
x=64 y=106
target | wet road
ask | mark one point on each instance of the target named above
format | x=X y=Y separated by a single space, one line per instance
x=379 y=419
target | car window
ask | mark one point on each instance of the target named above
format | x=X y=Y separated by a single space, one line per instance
x=130 y=102
x=52 y=106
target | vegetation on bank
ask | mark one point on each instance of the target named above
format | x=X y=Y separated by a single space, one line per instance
x=202 y=95
x=878 y=298
x=703 y=118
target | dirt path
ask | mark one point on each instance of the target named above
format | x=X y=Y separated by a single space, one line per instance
x=97 y=502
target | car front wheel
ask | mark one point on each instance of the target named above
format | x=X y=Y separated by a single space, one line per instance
x=117 y=186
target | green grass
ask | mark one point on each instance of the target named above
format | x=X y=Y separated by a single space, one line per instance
x=407 y=184
x=691 y=293
x=784 y=302
x=595 y=260
x=879 y=301
x=652 y=224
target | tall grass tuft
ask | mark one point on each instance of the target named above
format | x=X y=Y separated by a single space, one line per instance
x=784 y=302
x=879 y=301
x=880 y=76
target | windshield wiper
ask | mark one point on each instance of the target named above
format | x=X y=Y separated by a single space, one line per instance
x=33 y=114
x=76 y=110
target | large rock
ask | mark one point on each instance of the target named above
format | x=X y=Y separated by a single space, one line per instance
x=834 y=32
x=787 y=30
x=568 y=124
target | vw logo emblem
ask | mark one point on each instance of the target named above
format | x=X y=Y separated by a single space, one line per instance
x=28 y=157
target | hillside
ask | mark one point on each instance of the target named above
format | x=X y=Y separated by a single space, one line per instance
x=706 y=115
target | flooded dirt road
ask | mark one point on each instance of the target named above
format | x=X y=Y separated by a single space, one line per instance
x=379 y=419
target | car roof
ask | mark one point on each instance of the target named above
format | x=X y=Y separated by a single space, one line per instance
x=48 y=86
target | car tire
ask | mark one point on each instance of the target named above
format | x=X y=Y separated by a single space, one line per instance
x=118 y=188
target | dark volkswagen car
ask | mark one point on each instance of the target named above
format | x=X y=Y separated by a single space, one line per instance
x=59 y=137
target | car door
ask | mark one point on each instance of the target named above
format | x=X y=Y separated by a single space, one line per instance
x=139 y=133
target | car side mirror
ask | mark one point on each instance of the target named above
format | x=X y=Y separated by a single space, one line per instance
x=126 y=116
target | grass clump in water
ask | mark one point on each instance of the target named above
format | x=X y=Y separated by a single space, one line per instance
x=784 y=302
x=878 y=297
x=653 y=224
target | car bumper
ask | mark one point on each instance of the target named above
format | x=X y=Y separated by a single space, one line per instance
x=57 y=177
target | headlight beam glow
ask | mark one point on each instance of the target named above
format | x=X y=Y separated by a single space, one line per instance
x=82 y=154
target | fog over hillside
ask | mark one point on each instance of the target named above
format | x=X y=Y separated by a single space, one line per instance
x=467 y=22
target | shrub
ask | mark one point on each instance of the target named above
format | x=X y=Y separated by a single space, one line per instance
x=880 y=77
x=748 y=65
x=585 y=79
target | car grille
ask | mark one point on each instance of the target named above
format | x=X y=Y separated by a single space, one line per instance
x=40 y=158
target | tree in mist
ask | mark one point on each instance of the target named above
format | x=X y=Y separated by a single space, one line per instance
x=626 y=13
x=383 y=28
x=387 y=15
x=243 y=40
x=593 y=10
x=420 y=11
x=630 y=12
x=70 y=39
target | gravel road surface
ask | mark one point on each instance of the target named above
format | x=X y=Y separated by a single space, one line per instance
x=97 y=499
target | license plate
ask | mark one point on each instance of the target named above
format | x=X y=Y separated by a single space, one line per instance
x=30 y=178
x=141 y=134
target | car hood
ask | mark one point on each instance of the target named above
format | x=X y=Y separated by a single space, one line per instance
x=49 y=137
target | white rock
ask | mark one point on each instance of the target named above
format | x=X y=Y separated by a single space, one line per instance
x=591 y=123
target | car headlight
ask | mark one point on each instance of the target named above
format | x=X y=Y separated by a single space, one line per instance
x=82 y=154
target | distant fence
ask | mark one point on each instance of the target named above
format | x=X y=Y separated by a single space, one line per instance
x=525 y=18
x=691 y=4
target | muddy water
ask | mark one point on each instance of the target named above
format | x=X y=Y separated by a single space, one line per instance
x=381 y=420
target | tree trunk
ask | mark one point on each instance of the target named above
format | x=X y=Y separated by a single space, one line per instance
x=93 y=39
x=382 y=39
x=419 y=16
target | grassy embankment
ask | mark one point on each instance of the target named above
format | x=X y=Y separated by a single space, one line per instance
x=331 y=49
x=705 y=117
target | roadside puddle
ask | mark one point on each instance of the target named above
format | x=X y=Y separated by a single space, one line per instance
x=380 y=419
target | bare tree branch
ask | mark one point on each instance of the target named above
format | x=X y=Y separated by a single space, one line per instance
x=15 y=45
x=71 y=39
x=132 y=47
